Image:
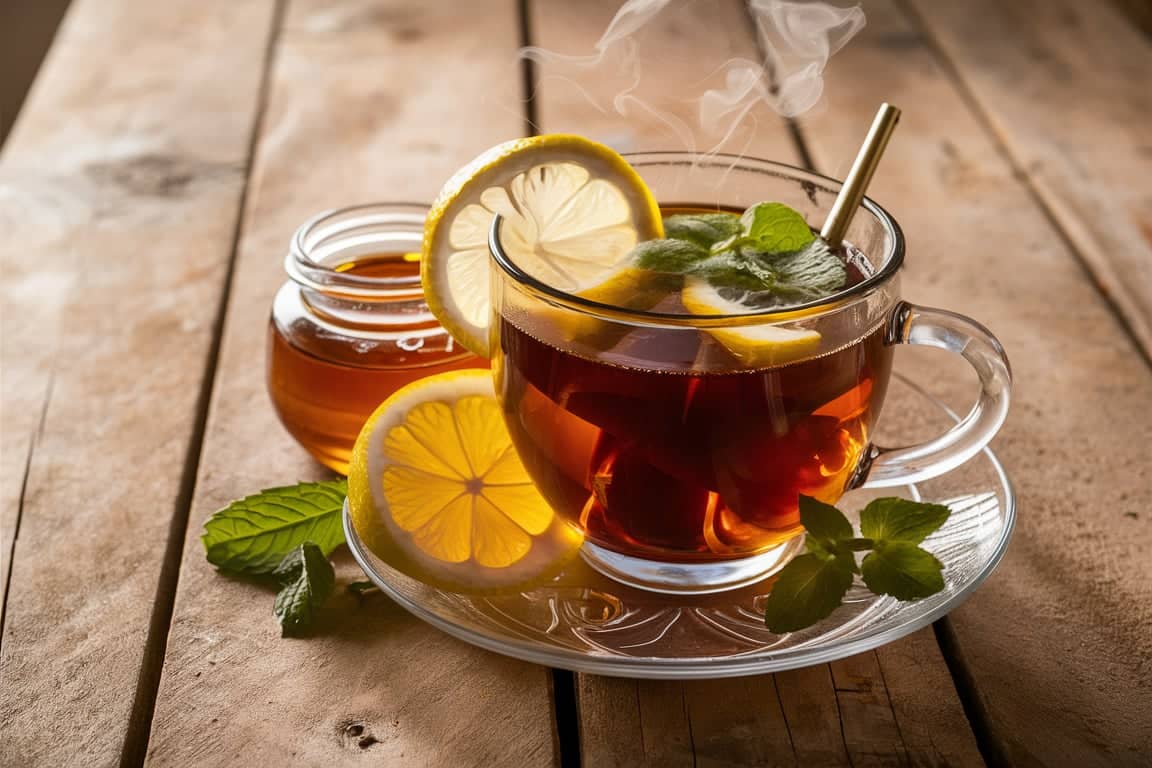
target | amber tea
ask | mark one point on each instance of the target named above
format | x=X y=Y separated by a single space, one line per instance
x=682 y=465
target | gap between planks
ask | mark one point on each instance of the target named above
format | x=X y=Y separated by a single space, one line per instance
x=136 y=736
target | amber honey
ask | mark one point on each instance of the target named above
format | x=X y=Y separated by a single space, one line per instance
x=351 y=327
x=324 y=383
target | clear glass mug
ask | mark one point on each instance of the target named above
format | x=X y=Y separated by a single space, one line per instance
x=680 y=461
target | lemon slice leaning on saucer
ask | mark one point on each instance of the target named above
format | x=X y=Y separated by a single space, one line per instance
x=755 y=346
x=573 y=210
x=437 y=491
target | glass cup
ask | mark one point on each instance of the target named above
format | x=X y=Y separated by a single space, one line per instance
x=679 y=457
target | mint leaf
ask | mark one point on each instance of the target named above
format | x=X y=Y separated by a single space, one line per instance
x=254 y=534
x=776 y=228
x=671 y=256
x=895 y=519
x=824 y=522
x=808 y=274
x=902 y=570
x=811 y=586
x=807 y=590
x=307 y=580
x=733 y=271
x=702 y=229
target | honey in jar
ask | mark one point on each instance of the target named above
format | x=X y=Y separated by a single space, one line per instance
x=351 y=326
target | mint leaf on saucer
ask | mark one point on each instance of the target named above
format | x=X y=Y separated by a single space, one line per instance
x=254 y=534
x=307 y=580
x=824 y=522
x=807 y=590
x=893 y=519
x=903 y=570
x=702 y=229
x=776 y=228
x=811 y=586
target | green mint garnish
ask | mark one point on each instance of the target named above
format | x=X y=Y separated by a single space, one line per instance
x=283 y=535
x=811 y=273
x=702 y=229
x=775 y=228
x=902 y=570
x=766 y=258
x=671 y=256
x=307 y=580
x=894 y=519
x=808 y=589
x=254 y=534
x=812 y=586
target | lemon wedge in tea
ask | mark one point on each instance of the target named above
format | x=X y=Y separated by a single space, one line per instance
x=437 y=491
x=755 y=346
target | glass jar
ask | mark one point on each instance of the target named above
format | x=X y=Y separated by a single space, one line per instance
x=351 y=326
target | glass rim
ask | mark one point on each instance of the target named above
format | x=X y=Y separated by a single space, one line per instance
x=888 y=269
x=309 y=273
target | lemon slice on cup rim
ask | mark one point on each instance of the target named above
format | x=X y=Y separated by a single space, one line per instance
x=437 y=491
x=573 y=210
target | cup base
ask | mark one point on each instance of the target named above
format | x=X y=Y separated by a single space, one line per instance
x=689 y=578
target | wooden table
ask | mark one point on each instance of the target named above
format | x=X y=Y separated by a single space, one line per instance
x=147 y=192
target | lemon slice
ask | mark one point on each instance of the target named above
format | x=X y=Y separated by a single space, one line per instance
x=755 y=346
x=436 y=490
x=573 y=210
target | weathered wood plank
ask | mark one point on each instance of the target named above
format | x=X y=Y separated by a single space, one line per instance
x=924 y=701
x=1055 y=641
x=370 y=100
x=794 y=718
x=670 y=723
x=1066 y=87
x=119 y=195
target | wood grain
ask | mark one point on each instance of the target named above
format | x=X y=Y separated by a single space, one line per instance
x=119 y=190
x=370 y=100
x=1066 y=87
x=797 y=717
x=1057 y=640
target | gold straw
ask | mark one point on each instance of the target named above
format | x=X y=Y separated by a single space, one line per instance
x=848 y=201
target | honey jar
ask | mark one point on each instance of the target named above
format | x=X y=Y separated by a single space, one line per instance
x=350 y=326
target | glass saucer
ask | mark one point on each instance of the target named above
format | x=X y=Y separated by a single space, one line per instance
x=585 y=622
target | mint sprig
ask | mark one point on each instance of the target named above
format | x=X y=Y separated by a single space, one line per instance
x=307 y=580
x=253 y=534
x=767 y=257
x=283 y=535
x=813 y=585
x=702 y=229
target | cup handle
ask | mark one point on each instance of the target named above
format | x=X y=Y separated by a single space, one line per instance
x=910 y=324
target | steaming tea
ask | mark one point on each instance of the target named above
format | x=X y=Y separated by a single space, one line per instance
x=673 y=381
x=698 y=457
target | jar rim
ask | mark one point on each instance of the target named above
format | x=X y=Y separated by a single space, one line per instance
x=349 y=228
